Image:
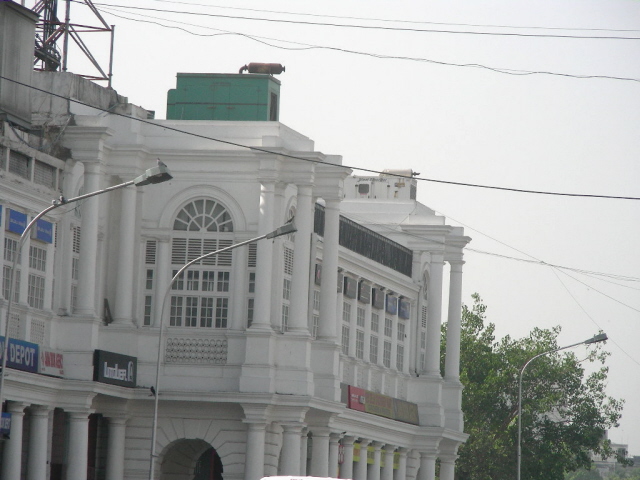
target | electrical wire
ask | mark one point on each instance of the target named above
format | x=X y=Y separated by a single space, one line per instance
x=317 y=161
x=368 y=27
x=304 y=46
x=387 y=20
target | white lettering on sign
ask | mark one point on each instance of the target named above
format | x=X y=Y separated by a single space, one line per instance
x=115 y=373
x=22 y=355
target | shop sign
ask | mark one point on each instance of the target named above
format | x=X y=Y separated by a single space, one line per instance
x=51 y=362
x=17 y=222
x=404 y=308
x=21 y=355
x=114 y=368
x=377 y=299
x=43 y=231
x=5 y=425
x=392 y=305
x=382 y=405
x=364 y=293
x=350 y=287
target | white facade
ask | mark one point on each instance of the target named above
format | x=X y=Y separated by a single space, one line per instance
x=260 y=344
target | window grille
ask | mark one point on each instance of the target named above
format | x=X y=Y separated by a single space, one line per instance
x=388 y=327
x=386 y=354
x=360 y=317
x=151 y=248
x=345 y=339
x=400 y=358
x=375 y=322
x=35 y=293
x=19 y=164
x=44 y=174
x=373 y=349
x=359 y=344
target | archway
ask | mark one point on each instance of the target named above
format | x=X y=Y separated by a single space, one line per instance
x=191 y=460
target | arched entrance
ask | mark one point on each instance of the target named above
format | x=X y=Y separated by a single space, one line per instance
x=191 y=460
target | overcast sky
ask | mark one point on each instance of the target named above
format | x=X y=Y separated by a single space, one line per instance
x=397 y=97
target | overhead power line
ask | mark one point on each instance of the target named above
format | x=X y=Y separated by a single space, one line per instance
x=306 y=46
x=311 y=160
x=371 y=27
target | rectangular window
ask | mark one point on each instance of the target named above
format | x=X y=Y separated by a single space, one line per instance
x=345 y=339
x=222 y=312
x=6 y=278
x=316 y=300
x=149 y=282
x=208 y=281
x=388 y=327
x=223 y=281
x=359 y=344
x=191 y=312
x=314 y=328
x=37 y=258
x=19 y=164
x=175 y=318
x=250 y=303
x=400 y=332
x=285 y=317
x=373 y=349
x=44 y=174
x=346 y=312
x=386 y=354
x=148 y=301
x=252 y=282
x=193 y=280
x=375 y=322
x=10 y=249
x=206 y=312
x=400 y=358
x=35 y=294
x=360 y=317
x=286 y=289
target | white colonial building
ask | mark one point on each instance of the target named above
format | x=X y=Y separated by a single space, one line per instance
x=315 y=353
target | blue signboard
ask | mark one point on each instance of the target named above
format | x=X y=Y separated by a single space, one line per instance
x=5 y=425
x=44 y=231
x=404 y=309
x=392 y=305
x=21 y=355
x=17 y=222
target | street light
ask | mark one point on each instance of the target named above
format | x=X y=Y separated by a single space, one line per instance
x=157 y=174
x=595 y=339
x=285 y=229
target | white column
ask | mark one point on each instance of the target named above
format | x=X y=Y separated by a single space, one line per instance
x=89 y=243
x=115 y=448
x=334 y=450
x=78 y=447
x=387 y=470
x=328 y=323
x=291 y=442
x=38 y=440
x=264 y=267
x=427 y=466
x=123 y=308
x=298 y=321
x=254 y=462
x=452 y=360
x=401 y=472
x=162 y=279
x=447 y=466
x=360 y=472
x=346 y=471
x=434 y=315
x=320 y=452
x=304 y=444
x=23 y=268
x=12 y=455
x=239 y=287
x=374 y=469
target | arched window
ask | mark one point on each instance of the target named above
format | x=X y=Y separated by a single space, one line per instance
x=200 y=296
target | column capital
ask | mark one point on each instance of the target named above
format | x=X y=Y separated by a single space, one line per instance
x=40 y=410
x=348 y=440
x=16 y=407
x=389 y=448
x=377 y=445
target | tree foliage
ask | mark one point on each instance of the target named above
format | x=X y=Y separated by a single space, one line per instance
x=565 y=412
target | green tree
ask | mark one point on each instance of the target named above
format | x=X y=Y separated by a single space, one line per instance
x=565 y=412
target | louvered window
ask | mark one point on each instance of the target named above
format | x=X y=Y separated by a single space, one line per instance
x=201 y=296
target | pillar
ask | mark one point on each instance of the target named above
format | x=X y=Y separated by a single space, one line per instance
x=447 y=466
x=123 y=308
x=264 y=266
x=320 y=452
x=38 y=442
x=254 y=462
x=12 y=455
x=86 y=296
x=387 y=470
x=23 y=269
x=334 y=450
x=115 y=448
x=360 y=472
x=374 y=469
x=291 y=443
x=432 y=366
x=427 y=466
x=298 y=319
x=163 y=276
x=452 y=359
x=78 y=447
x=304 y=444
x=328 y=323
x=239 y=287
x=346 y=470
x=401 y=472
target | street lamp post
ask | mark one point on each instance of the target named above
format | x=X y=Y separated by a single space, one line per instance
x=595 y=339
x=157 y=174
x=285 y=229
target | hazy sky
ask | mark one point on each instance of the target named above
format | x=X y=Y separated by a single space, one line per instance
x=396 y=97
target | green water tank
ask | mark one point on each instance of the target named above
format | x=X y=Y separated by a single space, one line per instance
x=220 y=96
